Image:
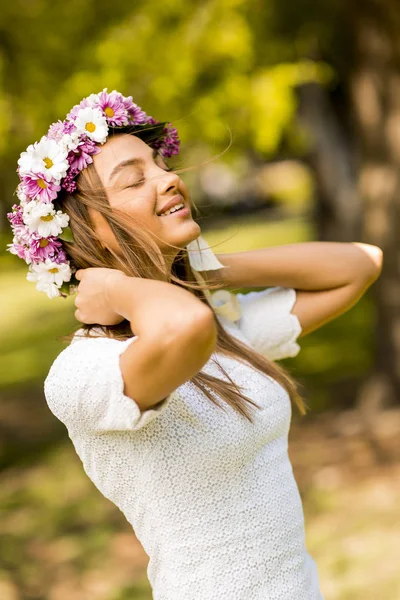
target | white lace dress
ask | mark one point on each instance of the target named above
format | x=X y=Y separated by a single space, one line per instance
x=211 y=497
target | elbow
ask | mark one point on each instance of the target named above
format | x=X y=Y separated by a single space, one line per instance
x=204 y=329
x=195 y=327
x=195 y=335
x=372 y=262
x=376 y=263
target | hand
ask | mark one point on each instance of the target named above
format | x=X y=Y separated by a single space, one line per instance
x=92 y=302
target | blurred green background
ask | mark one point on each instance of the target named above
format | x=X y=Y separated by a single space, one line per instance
x=302 y=99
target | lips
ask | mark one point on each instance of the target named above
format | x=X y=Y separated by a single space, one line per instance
x=173 y=202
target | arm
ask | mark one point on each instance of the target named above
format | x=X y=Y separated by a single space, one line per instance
x=177 y=335
x=329 y=277
x=176 y=331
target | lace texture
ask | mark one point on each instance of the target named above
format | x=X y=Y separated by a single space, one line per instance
x=211 y=497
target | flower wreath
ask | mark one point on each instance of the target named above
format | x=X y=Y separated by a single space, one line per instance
x=52 y=165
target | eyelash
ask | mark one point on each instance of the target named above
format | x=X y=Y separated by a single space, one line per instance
x=138 y=184
x=141 y=181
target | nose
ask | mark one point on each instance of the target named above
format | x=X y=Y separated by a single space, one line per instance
x=169 y=182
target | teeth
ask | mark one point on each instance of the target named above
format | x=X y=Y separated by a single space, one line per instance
x=173 y=209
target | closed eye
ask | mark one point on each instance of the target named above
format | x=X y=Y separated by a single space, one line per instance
x=141 y=181
x=136 y=184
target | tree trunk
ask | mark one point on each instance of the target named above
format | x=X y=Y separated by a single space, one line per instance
x=374 y=85
x=338 y=210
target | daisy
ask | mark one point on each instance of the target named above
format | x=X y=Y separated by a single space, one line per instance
x=35 y=186
x=44 y=220
x=50 y=289
x=49 y=271
x=92 y=123
x=42 y=248
x=136 y=114
x=113 y=107
x=46 y=157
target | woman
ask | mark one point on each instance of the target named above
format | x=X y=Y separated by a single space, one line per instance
x=175 y=407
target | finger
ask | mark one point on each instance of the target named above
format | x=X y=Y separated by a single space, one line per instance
x=78 y=274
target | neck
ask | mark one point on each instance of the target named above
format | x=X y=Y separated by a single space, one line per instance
x=169 y=257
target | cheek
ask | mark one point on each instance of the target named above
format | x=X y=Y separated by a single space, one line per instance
x=139 y=204
x=142 y=212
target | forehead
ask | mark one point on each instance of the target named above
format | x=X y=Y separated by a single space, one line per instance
x=117 y=149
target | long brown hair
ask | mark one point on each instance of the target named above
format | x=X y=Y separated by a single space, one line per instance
x=140 y=257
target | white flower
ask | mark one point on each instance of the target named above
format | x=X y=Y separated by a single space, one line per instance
x=93 y=99
x=42 y=218
x=48 y=273
x=49 y=288
x=22 y=197
x=69 y=141
x=91 y=122
x=29 y=206
x=46 y=157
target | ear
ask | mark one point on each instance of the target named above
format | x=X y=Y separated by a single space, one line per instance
x=103 y=230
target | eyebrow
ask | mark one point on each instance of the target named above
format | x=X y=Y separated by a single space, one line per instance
x=129 y=163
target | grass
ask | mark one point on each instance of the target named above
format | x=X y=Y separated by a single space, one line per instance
x=256 y=231
x=29 y=325
x=354 y=539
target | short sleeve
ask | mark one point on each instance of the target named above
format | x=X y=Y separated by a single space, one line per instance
x=268 y=323
x=85 y=389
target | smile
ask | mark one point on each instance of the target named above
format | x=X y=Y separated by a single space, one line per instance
x=180 y=209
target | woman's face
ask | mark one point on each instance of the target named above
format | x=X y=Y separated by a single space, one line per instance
x=137 y=183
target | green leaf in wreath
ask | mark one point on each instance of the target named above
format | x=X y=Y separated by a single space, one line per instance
x=66 y=235
x=64 y=289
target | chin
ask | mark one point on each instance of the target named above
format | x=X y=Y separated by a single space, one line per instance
x=183 y=238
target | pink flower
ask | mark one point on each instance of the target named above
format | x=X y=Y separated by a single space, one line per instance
x=60 y=257
x=21 y=242
x=136 y=114
x=55 y=131
x=42 y=248
x=114 y=108
x=82 y=157
x=69 y=127
x=20 y=250
x=15 y=217
x=53 y=164
x=22 y=233
x=35 y=186
x=59 y=129
x=69 y=183
x=170 y=144
x=75 y=109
